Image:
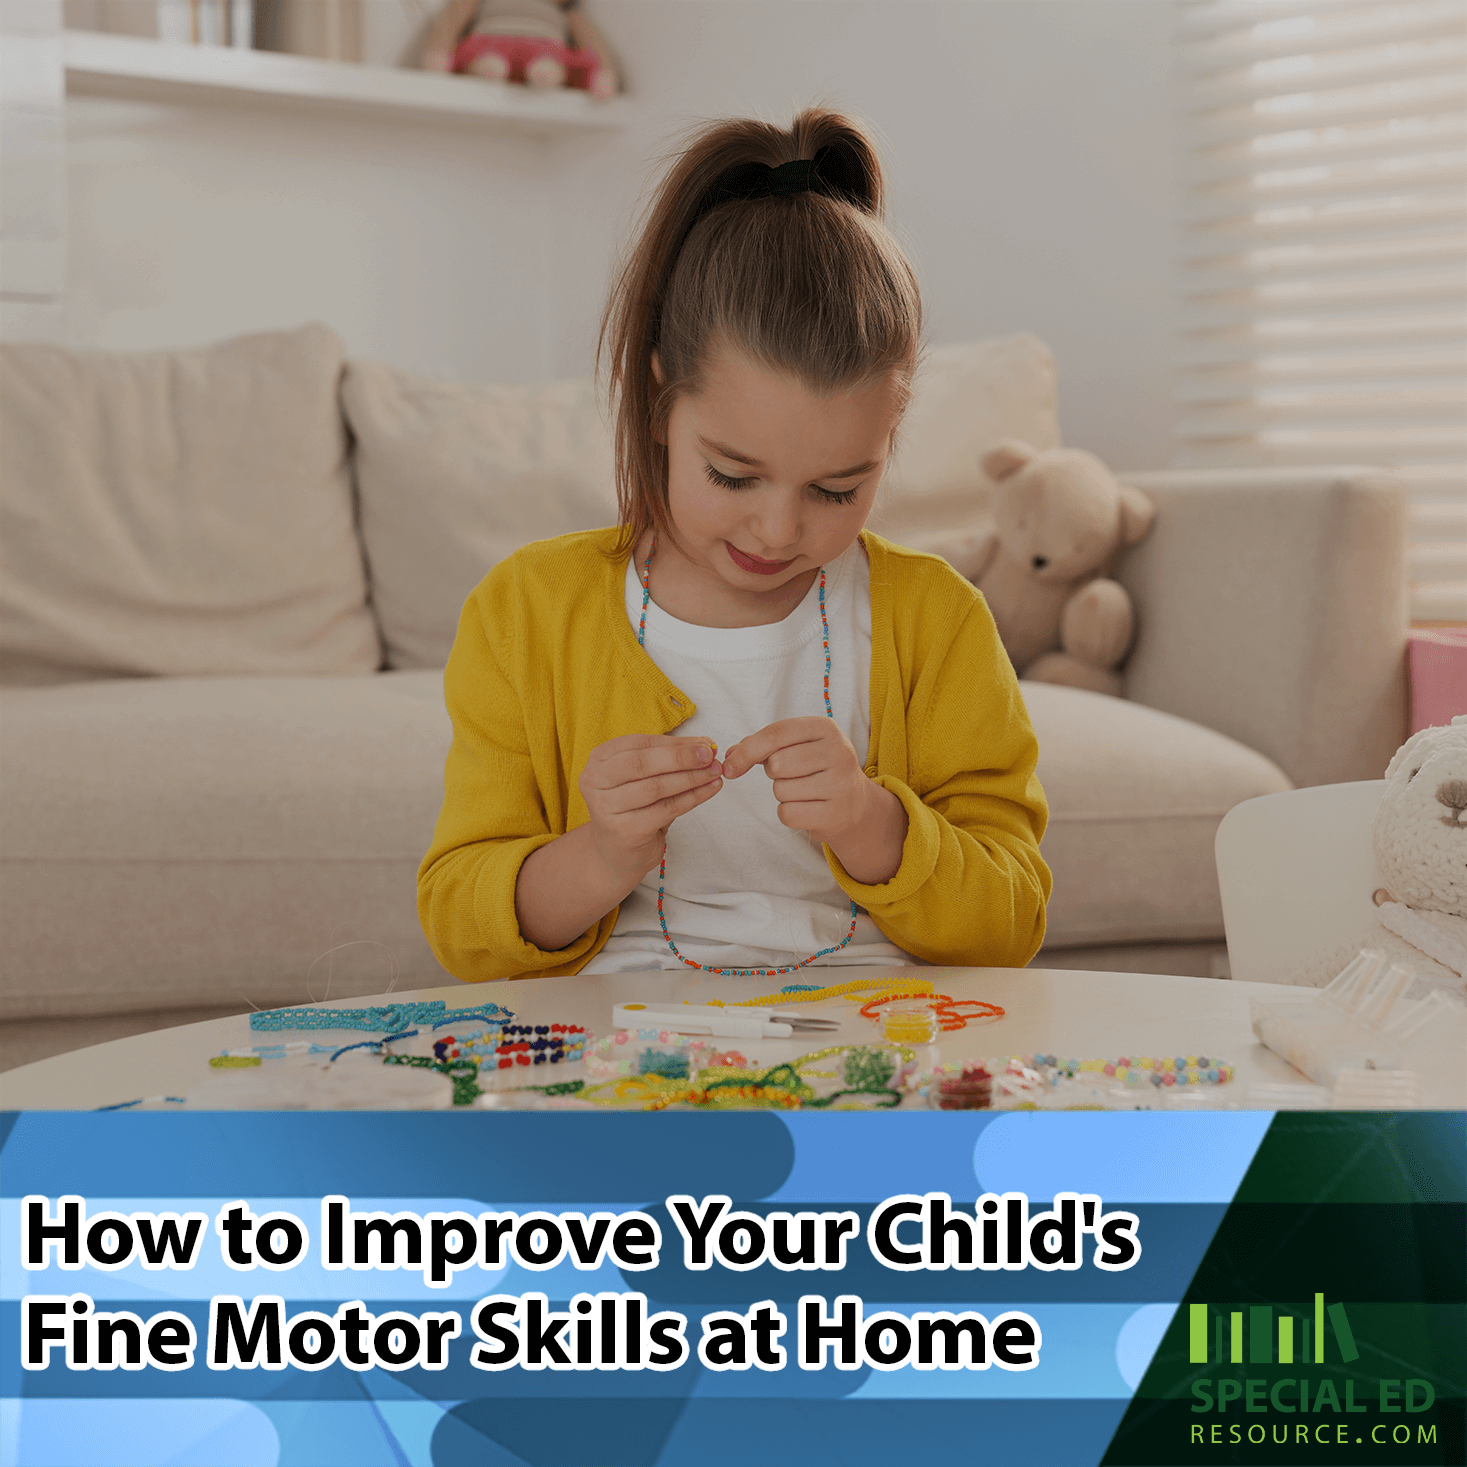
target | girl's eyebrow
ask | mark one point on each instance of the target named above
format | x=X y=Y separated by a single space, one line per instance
x=753 y=463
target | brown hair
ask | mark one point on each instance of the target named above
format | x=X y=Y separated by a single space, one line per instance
x=810 y=283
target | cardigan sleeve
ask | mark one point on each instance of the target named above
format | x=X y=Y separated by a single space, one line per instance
x=972 y=886
x=492 y=819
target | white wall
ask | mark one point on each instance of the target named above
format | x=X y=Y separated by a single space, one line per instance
x=423 y=246
x=1029 y=144
x=1029 y=150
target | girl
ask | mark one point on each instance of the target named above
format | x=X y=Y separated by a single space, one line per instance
x=876 y=801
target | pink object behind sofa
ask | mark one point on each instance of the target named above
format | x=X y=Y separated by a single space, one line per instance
x=1438 y=664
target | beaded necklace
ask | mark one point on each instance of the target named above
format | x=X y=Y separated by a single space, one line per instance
x=662 y=869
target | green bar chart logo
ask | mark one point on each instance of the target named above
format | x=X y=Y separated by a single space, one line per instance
x=1275 y=1335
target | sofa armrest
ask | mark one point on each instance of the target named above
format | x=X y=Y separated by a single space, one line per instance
x=1271 y=606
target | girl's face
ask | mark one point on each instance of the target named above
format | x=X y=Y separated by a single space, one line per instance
x=768 y=481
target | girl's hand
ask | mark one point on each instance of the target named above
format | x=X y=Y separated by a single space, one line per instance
x=635 y=786
x=822 y=787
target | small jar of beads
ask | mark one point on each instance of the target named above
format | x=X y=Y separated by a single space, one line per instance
x=645 y=1052
x=908 y=1021
x=960 y=1087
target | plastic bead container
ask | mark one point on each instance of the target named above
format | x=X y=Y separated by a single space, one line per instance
x=909 y=1021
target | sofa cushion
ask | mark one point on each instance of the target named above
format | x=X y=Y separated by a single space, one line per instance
x=455 y=476
x=1135 y=800
x=181 y=841
x=966 y=397
x=179 y=512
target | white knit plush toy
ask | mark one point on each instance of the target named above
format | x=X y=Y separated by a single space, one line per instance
x=1420 y=840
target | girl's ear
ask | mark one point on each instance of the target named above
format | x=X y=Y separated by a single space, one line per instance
x=656 y=367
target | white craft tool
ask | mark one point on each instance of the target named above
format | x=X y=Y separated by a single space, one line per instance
x=717 y=1021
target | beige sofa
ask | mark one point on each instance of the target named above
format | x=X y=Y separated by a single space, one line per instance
x=232 y=578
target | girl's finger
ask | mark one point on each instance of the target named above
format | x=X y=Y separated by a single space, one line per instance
x=643 y=794
x=795 y=761
x=628 y=765
x=785 y=734
x=807 y=787
x=804 y=814
x=668 y=810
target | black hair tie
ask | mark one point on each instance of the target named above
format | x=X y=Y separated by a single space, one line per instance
x=764 y=182
x=760 y=181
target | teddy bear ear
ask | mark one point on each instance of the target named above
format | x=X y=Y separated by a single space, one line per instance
x=1410 y=747
x=1005 y=458
x=1137 y=513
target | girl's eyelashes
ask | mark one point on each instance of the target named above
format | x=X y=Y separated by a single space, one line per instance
x=726 y=481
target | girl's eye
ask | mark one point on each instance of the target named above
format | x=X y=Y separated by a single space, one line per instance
x=724 y=481
x=727 y=481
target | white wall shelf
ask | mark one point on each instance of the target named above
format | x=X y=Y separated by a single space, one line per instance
x=130 y=66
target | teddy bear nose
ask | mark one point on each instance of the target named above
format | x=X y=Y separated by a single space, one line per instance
x=1452 y=793
x=1040 y=561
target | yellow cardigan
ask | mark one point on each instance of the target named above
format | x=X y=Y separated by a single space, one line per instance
x=546 y=666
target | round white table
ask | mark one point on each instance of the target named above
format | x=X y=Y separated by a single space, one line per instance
x=1080 y=1015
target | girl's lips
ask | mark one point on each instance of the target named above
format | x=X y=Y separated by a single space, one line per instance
x=759 y=567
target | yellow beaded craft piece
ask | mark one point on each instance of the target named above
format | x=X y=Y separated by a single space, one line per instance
x=863 y=989
x=785 y=1086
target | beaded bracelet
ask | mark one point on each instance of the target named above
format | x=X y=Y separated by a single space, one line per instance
x=384 y=1018
x=544 y=1044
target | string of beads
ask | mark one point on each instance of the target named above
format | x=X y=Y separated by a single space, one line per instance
x=1167 y=1070
x=798 y=993
x=381 y=1018
x=662 y=869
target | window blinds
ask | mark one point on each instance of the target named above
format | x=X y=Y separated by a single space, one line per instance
x=1324 y=253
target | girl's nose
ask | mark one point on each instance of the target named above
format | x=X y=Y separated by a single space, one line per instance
x=777 y=526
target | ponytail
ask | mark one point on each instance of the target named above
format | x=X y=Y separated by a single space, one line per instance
x=791 y=265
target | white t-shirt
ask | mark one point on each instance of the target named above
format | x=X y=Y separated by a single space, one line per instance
x=742 y=890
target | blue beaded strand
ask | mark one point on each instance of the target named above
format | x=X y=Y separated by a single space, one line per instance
x=662 y=869
x=384 y=1018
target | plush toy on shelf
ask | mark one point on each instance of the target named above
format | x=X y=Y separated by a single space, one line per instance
x=1419 y=836
x=1059 y=519
x=542 y=43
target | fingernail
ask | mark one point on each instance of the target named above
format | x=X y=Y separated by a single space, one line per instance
x=704 y=753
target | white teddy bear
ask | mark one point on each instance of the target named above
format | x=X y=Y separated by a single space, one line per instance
x=1420 y=840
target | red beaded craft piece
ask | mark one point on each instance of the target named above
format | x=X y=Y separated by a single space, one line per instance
x=542 y=1044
